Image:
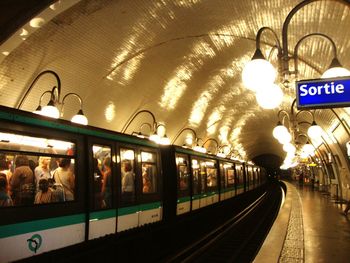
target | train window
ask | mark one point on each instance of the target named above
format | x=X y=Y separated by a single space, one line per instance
x=239 y=171
x=182 y=172
x=36 y=170
x=229 y=174
x=102 y=173
x=149 y=172
x=212 y=174
x=251 y=176
x=223 y=181
x=196 y=176
x=127 y=158
x=202 y=176
x=230 y=177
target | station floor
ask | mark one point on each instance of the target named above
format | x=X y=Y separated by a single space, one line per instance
x=310 y=227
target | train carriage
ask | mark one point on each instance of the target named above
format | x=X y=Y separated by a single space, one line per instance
x=96 y=205
x=79 y=183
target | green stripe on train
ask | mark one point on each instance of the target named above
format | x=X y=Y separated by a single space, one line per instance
x=104 y=214
x=149 y=206
x=39 y=225
x=227 y=189
x=133 y=209
x=183 y=199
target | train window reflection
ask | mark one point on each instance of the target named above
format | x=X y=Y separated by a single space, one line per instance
x=17 y=142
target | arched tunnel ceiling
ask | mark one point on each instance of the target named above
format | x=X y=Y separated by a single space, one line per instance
x=180 y=59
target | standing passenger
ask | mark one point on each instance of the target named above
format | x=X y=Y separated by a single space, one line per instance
x=5 y=171
x=42 y=171
x=98 y=200
x=106 y=190
x=63 y=175
x=4 y=168
x=22 y=182
x=45 y=194
x=5 y=199
x=128 y=183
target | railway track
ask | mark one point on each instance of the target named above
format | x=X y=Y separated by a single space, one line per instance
x=239 y=239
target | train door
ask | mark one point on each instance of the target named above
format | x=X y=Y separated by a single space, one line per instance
x=239 y=178
x=203 y=184
x=223 y=181
x=252 y=183
x=212 y=193
x=183 y=185
x=228 y=189
x=256 y=178
x=140 y=187
x=250 y=170
x=128 y=209
x=103 y=215
x=196 y=183
x=150 y=207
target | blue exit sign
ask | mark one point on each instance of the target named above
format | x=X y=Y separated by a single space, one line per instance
x=323 y=93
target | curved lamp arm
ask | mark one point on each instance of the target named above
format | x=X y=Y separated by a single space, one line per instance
x=147 y=124
x=285 y=31
x=181 y=131
x=75 y=95
x=299 y=112
x=139 y=133
x=258 y=37
x=126 y=126
x=211 y=139
x=57 y=88
x=41 y=98
x=296 y=48
x=223 y=146
x=285 y=115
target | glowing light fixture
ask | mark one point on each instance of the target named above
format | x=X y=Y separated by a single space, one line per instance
x=290 y=140
x=54 y=108
x=335 y=70
x=314 y=131
x=259 y=74
x=279 y=131
x=270 y=97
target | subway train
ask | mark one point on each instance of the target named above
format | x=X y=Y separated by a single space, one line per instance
x=68 y=183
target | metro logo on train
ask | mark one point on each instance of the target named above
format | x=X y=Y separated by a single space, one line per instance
x=323 y=93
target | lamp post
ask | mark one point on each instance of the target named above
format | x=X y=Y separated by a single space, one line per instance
x=55 y=107
x=289 y=136
x=259 y=75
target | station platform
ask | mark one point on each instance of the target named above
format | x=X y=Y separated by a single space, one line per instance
x=310 y=227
